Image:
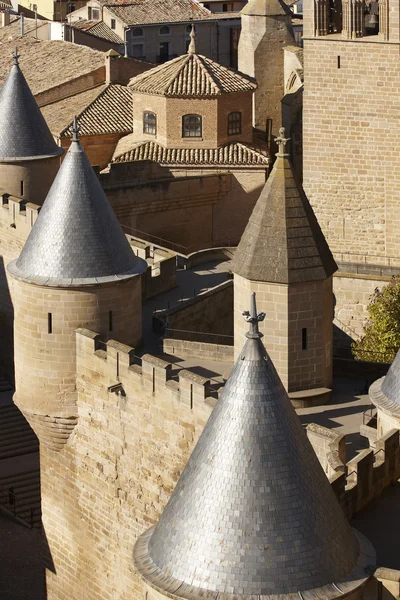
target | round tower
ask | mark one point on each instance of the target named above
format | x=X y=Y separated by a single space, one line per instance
x=29 y=156
x=253 y=513
x=385 y=395
x=76 y=269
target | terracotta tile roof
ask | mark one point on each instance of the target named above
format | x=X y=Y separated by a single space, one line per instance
x=191 y=75
x=143 y=12
x=99 y=29
x=234 y=154
x=45 y=63
x=59 y=114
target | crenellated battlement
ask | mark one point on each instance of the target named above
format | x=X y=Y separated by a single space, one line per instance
x=19 y=214
x=362 y=479
x=117 y=363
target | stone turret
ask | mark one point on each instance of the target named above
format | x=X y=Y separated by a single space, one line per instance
x=76 y=269
x=284 y=256
x=253 y=514
x=385 y=395
x=266 y=30
x=29 y=156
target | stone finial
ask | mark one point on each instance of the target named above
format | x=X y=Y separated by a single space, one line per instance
x=192 y=45
x=282 y=141
x=16 y=57
x=75 y=130
x=253 y=318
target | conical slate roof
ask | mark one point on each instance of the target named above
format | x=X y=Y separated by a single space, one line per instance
x=385 y=392
x=192 y=75
x=76 y=239
x=24 y=134
x=253 y=513
x=266 y=8
x=283 y=242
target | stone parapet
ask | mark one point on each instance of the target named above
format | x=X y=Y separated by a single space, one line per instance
x=363 y=478
x=117 y=363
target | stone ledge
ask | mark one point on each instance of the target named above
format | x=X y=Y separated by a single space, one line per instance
x=309 y=398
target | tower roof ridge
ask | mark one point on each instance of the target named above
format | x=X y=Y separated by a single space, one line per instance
x=283 y=242
x=253 y=513
x=24 y=134
x=76 y=239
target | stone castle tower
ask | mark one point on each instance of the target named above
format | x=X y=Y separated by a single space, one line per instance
x=76 y=269
x=29 y=156
x=266 y=30
x=283 y=256
x=253 y=514
x=351 y=127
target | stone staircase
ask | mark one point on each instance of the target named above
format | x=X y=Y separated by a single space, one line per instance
x=20 y=497
x=19 y=462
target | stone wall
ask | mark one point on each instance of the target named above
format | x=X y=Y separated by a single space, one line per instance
x=16 y=220
x=210 y=312
x=72 y=87
x=99 y=148
x=114 y=477
x=350 y=158
x=352 y=295
x=193 y=208
x=362 y=479
x=192 y=349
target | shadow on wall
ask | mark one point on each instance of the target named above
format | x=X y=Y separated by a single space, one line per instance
x=6 y=327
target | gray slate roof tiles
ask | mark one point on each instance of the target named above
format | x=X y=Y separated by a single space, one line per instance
x=253 y=513
x=76 y=239
x=24 y=134
x=283 y=242
x=385 y=392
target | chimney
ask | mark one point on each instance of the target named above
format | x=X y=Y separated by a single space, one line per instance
x=5 y=18
x=112 y=66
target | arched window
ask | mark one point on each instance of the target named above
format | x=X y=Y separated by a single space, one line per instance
x=191 y=126
x=138 y=32
x=149 y=123
x=234 y=123
x=164 y=30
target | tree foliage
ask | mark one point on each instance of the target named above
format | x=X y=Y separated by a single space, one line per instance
x=381 y=338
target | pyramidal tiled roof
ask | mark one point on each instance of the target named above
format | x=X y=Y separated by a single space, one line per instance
x=283 y=242
x=253 y=513
x=266 y=8
x=192 y=75
x=76 y=239
x=232 y=154
x=24 y=134
x=385 y=392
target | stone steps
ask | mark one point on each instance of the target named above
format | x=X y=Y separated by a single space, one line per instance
x=20 y=497
x=16 y=435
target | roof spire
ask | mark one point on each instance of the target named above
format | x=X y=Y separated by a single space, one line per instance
x=75 y=130
x=16 y=57
x=281 y=141
x=192 y=45
x=253 y=318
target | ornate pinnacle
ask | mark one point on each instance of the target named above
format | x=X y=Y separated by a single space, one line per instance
x=16 y=57
x=281 y=141
x=192 y=45
x=75 y=130
x=253 y=318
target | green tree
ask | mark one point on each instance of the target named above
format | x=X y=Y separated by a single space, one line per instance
x=381 y=338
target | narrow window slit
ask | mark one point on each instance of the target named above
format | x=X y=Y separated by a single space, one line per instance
x=304 y=338
x=49 y=323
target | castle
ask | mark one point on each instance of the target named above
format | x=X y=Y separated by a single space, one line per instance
x=214 y=496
